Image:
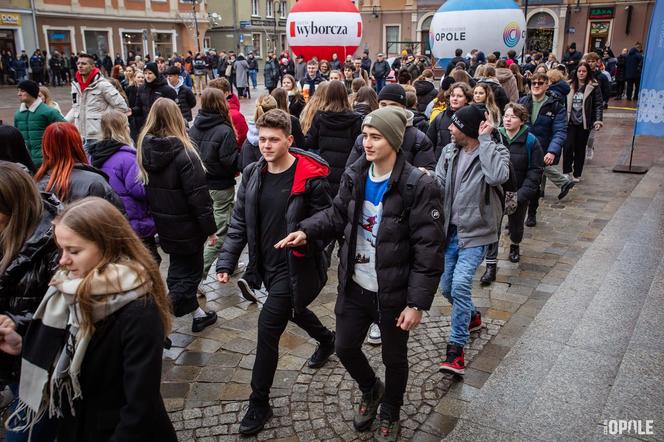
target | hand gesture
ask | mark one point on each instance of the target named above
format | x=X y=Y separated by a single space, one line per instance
x=409 y=319
x=10 y=341
x=294 y=239
x=487 y=126
x=223 y=277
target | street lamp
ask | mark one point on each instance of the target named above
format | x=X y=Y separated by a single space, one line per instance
x=276 y=9
x=193 y=9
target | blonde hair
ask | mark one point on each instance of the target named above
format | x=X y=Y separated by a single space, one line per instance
x=489 y=101
x=479 y=72
x=164 y=120
x=313 y=105
x=115 y=126
x=264 y=103
x=554 y=75
x=20 y=201
x=48 y=100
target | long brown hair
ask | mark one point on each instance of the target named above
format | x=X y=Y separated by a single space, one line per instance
x=313 y=106
x=281 y=97
x=98 y=221
x=367 y=95
x=214 y=101
x=21 y=203
x=115 y=126
x=490 y=101
x=336 y=98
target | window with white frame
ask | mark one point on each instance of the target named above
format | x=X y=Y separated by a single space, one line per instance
x=391 y=40
x=255 y=7
x=268 y=8
x=256 y=43
x=284 y=9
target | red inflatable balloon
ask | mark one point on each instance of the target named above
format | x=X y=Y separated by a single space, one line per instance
x=318 y=28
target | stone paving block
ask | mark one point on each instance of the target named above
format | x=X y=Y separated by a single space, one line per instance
x=203 y=345
x=470 y=431
x=235 y=392
x=224 y=359
x=215 y=374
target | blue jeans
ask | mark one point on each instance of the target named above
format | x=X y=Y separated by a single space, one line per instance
x=43 y=431
x=457 y=282
x=380 y=84
x=252 y=77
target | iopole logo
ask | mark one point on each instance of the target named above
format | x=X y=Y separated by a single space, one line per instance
x=511 y=34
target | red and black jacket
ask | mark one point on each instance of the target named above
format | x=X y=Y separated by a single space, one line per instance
x=309 y=194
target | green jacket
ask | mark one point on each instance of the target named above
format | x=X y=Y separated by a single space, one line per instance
x=32 y=123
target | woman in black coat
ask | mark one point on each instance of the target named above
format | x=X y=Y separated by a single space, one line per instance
x=333 y=132
x=154 y=88
x=458 y=96
x=178 y=197
x=214 y=137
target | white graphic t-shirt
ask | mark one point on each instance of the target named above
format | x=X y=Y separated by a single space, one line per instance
x=367 y=232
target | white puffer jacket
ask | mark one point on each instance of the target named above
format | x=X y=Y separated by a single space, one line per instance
x=88 y=106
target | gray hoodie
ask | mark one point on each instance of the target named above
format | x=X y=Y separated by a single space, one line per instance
x=478 y=221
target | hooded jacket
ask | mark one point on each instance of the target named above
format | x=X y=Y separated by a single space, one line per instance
x=215 y=139
x=25 y=280
x=410 y=241
x=118 y=161
x=239 y=122
x=426 y=92
x=89 y=105
x=147 y=95
x=177 y=195
x=416 y=147
x=308 y=264
x=332 y=135
x=528 y=160
x=438 y=132
x=592 y=105
x=550 y=127
x=250 y=151
x=185 y=98
x=509 y=84
x=559 y=91
x=479 y=206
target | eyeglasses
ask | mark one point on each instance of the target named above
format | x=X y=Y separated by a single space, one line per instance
x=538 y=83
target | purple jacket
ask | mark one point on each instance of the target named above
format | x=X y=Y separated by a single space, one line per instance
x=118 y=161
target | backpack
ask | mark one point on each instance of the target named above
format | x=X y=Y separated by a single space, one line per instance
x=407 y=190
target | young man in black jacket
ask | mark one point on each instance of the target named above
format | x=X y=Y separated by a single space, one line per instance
x=185 y=98
x=276 y=193
x=391 y=259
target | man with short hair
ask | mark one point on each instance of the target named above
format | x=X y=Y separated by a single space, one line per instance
x=276 y=193
x=92 y=96
x=33 y=117
x=300 y=68
x=548 y=122
x=366 y=62
x=470 y=172
x=458 y=56
x=253 y=68
x=185 y=98
x=390 y=216
x=311 y=80
x=380 y=71
x=571 y=59
x=335 y=63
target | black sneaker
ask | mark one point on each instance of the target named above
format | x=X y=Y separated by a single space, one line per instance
x=246 y=290
x=255 y=419
x=489 y=275
x=200 y=324
x=322 y=354
x=531 y=221
x=515 y=253
x=387 y=431
x=565 y=189
x=366 y=411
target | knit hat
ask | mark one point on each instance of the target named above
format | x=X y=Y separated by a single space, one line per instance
x=152 y=67
x=394 y=92
x=468 y=120
x=391 y=122
x=30 y=87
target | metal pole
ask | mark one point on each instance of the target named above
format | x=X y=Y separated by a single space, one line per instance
x=198 y=40
x=525 y=43
x=34 y=25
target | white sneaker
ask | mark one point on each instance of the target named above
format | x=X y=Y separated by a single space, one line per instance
x=576 y=180
x=374 y=335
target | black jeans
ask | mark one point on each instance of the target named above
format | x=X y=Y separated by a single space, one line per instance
x=151 y=244
x=360 y=310
x=574 y=154
x=272 y=322
x=184 y=275
x=515 y=223
x=632 y=91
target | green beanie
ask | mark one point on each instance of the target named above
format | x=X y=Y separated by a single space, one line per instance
x=390 y=121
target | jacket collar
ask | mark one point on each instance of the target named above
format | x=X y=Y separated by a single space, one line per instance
x=361 y=168
x=33 y=107
x=309 y=166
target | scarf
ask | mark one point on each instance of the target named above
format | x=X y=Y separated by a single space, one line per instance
x=55 y=344
x=85 y=84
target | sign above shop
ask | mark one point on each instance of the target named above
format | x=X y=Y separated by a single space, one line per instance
x=268 y=22
x=605 y=12
x=10 y=19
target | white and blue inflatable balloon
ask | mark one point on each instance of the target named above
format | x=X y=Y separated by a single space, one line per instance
x=486 y=25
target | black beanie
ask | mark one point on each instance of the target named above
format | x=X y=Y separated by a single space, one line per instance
x=30 y=87
x=394 y=92
x=468 y=120
x=152 y=67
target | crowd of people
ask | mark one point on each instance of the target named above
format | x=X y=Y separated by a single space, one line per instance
x=409 y=181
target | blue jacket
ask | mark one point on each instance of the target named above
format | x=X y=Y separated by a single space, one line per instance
x=550 y=128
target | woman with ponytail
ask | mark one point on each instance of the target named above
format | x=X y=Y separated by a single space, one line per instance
x=250 y=151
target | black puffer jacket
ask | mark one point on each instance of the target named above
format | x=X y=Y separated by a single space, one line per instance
x=332 y=135
x=363 y=109
x=309 y=195
x=426 y=92
x=528 y=160
x=25 y=280
x=177 y=195
x=215 y=139
x=186 y=99
x=295 y=105
x=438 y=132
x=416 y=148
x=296 y=131
x=421 y=121
x=498 y=93
x=410 y=242
x=145 y=98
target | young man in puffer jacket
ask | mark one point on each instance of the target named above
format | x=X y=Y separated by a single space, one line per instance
x=391 y=258
x=185 y=99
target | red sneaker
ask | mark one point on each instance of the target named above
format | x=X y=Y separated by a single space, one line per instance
x=454 y=363
x=475 y=322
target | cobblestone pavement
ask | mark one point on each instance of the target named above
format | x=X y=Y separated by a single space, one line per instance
x=206 y=375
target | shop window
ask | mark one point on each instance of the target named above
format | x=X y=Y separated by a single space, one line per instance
x=132 y=41
x=96 y=43
x=59 y=40
x=163 y=44
x=541 y=30
x=7 y=41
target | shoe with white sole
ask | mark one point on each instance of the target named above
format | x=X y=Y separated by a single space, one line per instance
x=374 y=335
x=246 y=290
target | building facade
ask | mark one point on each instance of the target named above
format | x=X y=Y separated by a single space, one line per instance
x=145 y=27
x=249 y=25
x=393 y=25
x=17 y=26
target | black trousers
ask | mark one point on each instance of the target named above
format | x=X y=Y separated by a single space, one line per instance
x=574 y=154
x=151 y=244
x=360 y=310
x=184 y=275
x=632 y=91
x=272 y=321
x=515 y=224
